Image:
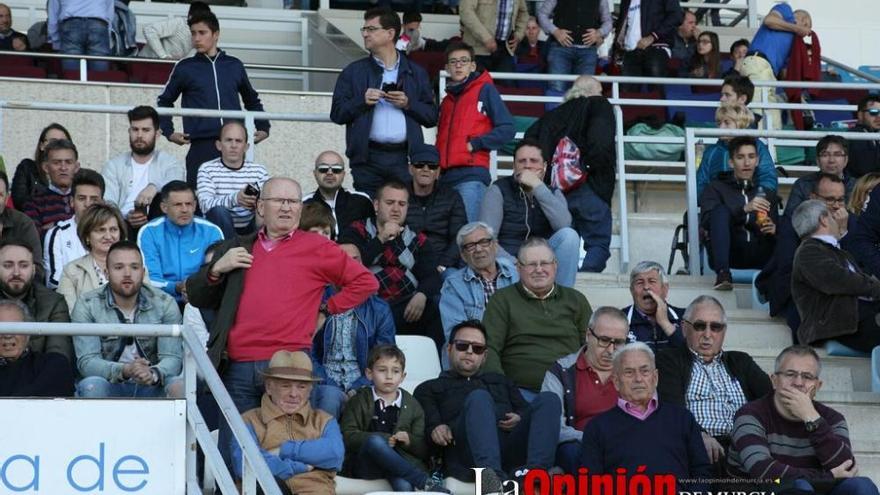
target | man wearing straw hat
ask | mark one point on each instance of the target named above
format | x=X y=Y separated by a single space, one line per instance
x=302 y=446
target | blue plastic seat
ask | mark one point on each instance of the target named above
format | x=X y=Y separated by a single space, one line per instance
x=875 y=370
x=835 y=348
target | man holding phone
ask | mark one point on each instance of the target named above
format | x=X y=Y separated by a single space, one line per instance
x=229 y=186
x=383 y=100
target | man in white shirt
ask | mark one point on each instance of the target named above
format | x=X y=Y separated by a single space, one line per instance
x=62 y=244
x=133 y=179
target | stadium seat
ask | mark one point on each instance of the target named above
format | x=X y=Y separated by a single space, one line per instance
x=632 y=114
x=9 y=60
x=422 y=361
x=116 y=76
x=826 y=117
x=523 y=108
x=22 y=71
x=432 y=62
x=835 y=348
x=875 y=370
x=697 y=115
x=149 y=73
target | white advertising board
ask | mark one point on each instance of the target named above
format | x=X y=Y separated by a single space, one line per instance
x=82 y=446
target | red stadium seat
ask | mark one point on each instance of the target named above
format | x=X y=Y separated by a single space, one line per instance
x=22 y=71
x=521 y=108
x=8 y=60
x=432 y=62
x=149 y=73
x=116 y=76
x=631 y=114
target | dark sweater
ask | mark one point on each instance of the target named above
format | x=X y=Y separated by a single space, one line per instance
x=37 y=375
x=780 y=448
x=47 y=207
x=666 y=442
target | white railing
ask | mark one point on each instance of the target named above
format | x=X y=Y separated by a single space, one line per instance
x=254 y=468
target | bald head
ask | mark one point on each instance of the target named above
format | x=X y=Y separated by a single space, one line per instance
x=329 y=157
x=329 y=173
x=277 y=185
x=803 y=18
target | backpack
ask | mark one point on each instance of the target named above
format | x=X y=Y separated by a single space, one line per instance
x=566 y=173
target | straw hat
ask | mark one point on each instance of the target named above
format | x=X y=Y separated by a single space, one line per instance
x=287 y=365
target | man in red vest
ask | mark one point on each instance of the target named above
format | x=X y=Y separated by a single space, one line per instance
x=473 y=122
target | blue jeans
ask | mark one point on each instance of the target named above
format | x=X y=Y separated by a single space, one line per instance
x=859 y=485
x=381 y=167
x=200 y=151
x=85 y=36
x=730 y=245
x=568 y=456
x=591 y=217
x=566 y=244
x=96 y=387
x=471 y=193
x=577 y=60
x=222 y=217
x=532 y=442
x=377 y=460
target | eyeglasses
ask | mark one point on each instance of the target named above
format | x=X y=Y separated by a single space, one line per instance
x=607 y=341
x=421 y=165
x=464 y=345
x=831 y=200
x=793 y=375
x=701 y=326
x=324 y=168
x=455 y=62
x=536 y=264
x=873 y=112
x=705 y=42
x=836 y=154
x=472 y=246
x=371 y=29
x=283 y=201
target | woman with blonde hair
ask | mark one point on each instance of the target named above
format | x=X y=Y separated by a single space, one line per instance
x=716 y=157
x=860 y=192
x=862 y=239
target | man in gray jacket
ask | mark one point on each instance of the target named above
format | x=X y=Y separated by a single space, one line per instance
x=582 y=380
x=127 y=366
x=133 y=179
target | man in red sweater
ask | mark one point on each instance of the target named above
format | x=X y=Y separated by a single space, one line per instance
x=267 y=288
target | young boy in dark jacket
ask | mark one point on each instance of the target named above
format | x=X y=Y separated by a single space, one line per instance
x=384 y=427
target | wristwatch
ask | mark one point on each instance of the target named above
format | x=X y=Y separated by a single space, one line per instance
x=323 y=309
x=813 y=425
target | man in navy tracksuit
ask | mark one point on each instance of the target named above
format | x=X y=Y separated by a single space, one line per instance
x=208 y=79
x=383 y=100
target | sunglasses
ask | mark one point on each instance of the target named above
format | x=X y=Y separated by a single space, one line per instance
x=336 y=169
x=421 y=165
x=701 y=326
x=463 y=346
x=873 y=112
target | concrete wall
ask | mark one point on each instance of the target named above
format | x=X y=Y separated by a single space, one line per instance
x=290 y=150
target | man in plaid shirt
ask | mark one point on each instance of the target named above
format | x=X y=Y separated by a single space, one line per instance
x=402 y=262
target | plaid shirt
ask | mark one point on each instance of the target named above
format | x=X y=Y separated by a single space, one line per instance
x=713 y=395
x=504 y=26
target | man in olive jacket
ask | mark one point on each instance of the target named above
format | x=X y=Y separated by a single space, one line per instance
x=835 y=299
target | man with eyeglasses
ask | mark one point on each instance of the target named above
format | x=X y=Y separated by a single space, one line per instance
x=347 y=206
x=435 y=210
x=266 y=288
x=832 y=152
x=658 y=437
x=582 y=382
x=788 y=436
x=774 y=281
x=403 y=262
x=865 y=155
x=534 y=322
x=383 y=100
x=474 y=121
x=478 y=418
x=651 y=319
x=834 y=297
x=709 y=382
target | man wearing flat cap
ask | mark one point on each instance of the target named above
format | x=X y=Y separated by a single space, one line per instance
x=302 y=446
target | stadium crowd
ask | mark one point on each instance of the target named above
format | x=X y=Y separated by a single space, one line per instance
x=298 y=298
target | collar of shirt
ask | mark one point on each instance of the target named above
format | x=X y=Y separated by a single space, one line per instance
x=269 y=411
x=582 y=365
x=630 y=409
x=535 y=296
x=830 y=239
x=57 y=190
x=270 y=244
x=382 y=64
x=382 y=404
x=699 y=358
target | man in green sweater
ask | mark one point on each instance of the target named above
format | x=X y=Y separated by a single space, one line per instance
x=534 y=322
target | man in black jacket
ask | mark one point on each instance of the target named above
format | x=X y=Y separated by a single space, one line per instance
x=864 y=156
x=739 y=216
x=347 y=206
x=644 y=33
x=586 y=118
x=436 y=211
x=480 y=420
x=711 y=383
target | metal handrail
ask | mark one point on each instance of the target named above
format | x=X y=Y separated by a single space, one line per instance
x=255 y=468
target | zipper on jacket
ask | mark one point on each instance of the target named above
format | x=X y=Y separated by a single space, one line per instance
x=216 y=83
x=746 y=226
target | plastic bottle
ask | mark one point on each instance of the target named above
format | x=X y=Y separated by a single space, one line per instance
x=761 y=215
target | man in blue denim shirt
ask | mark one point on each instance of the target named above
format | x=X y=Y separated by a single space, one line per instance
x=81 y=27
x=466 y=292
x=127 y=366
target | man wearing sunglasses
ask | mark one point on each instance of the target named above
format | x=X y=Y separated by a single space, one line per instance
x=788 y=437
x=582 y=382
x=436 y=211
x=710 y=382
x=347 y=206
x=473 y=122
x=864 y=156
x=479 y=419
